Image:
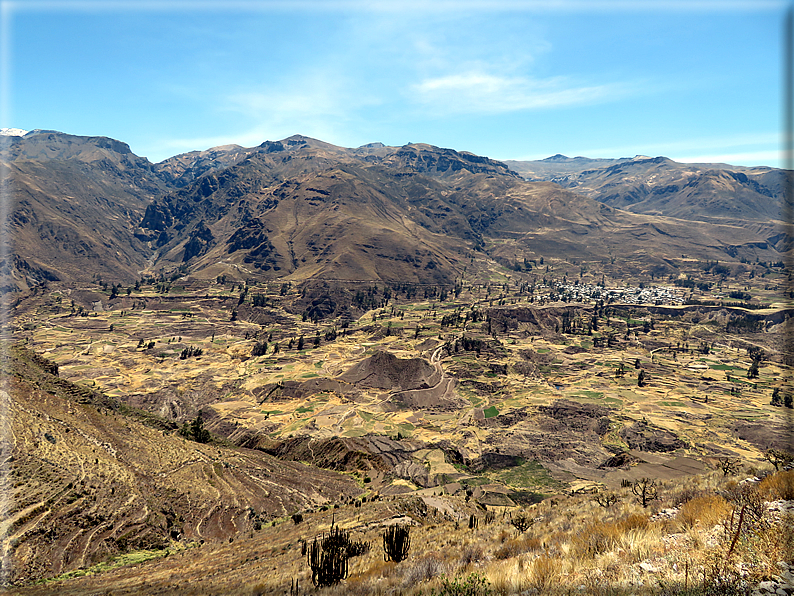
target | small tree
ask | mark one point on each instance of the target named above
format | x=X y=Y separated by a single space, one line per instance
x=605 y=499
x=752 y=372
x=642 y=379
x=645 y=490
x=729 y=465
x=776 y=399
x=778 y=457
x=521 y=522
x=396 y=543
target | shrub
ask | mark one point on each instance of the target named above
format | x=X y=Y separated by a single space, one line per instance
x=472 y=585
x=471 y=554
x=545 y=572
x=778 y=486
x=708 y=509
x=423 y=570
x=595 y=539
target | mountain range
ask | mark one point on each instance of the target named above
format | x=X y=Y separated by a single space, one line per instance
x=301 y=209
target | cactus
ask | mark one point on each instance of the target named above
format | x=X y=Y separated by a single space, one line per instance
x=473 y=522
x=396 y=543
x=329 y=567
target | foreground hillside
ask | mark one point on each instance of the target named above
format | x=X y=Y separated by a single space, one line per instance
x=90 y=479
x=710 y=535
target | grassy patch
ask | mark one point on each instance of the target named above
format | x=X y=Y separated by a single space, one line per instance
x=490 y=412
x=530 y=474
x=118 y=561
x=590 y=394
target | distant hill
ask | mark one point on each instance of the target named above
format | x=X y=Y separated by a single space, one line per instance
x=661 y=186
x=302 y=209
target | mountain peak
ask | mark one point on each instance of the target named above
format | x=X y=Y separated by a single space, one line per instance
x=557 y=157
x=12 y=132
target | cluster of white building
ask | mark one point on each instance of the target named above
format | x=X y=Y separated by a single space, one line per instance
x=657 y=295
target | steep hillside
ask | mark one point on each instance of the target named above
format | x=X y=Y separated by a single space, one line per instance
x=90 y=479
x=76 y=201
x=301 y=210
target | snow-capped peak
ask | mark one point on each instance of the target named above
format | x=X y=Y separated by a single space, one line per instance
x=12 y=132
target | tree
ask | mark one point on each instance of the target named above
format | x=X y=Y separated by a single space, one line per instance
x=645 y=490
x=300 y=343
x=642 y=379
x=605 y=499
x=778 y=457
x=729 y=465
x=521 y=522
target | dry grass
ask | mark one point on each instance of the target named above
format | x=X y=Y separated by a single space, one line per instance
x=706 y=510
x=572 y=544
x=778 y=486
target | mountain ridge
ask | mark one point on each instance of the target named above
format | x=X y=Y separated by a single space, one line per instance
x=306 y=209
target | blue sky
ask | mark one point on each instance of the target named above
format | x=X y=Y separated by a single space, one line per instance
x=694 y=80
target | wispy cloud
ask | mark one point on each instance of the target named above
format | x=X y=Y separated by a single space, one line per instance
x=481 y=92
x=318 y=105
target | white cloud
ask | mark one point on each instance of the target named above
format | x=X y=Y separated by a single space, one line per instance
x=480 y=92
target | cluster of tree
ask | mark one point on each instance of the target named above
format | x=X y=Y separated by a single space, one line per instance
x=716 y=268
x=368 y=299
x=259 y=300
x=745 y=324
x=190 y=352
x=703 y=286
x=739 y=295
x=195 y=430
